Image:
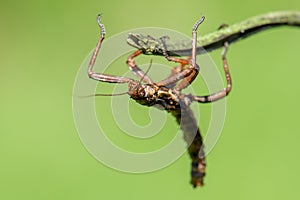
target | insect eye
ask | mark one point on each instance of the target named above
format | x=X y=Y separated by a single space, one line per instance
x=140 y=92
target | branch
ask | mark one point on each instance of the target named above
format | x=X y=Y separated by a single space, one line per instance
x=241 y=30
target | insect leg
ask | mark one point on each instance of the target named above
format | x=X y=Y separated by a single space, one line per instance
x=190 y=73
x=186 y=81
x=175 y=70
x=178 y=73
x=221 y=94
x=100 y=76
x=135 y=69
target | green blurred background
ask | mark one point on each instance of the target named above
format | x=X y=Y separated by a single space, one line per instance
x=42 y=45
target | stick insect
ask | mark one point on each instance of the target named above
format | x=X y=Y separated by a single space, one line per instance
x=166 y=94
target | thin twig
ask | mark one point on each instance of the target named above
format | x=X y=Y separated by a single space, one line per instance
x=241 y=30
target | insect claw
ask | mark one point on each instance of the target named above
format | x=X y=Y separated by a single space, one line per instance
x=101 y=25
x=99 y=18
x=196 y=25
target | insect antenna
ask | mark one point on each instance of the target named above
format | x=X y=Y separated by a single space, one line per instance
x=119 y=94
x=140 y=82
x=104 y=95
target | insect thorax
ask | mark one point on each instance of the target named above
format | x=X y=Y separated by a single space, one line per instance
x=162 y=97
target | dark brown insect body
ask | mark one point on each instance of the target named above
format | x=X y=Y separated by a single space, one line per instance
x=178 y=105
x=166 y=94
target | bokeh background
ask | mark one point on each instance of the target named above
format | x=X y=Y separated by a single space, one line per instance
x=42 y=45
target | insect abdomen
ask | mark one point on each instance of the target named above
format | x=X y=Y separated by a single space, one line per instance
x=192 y=136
